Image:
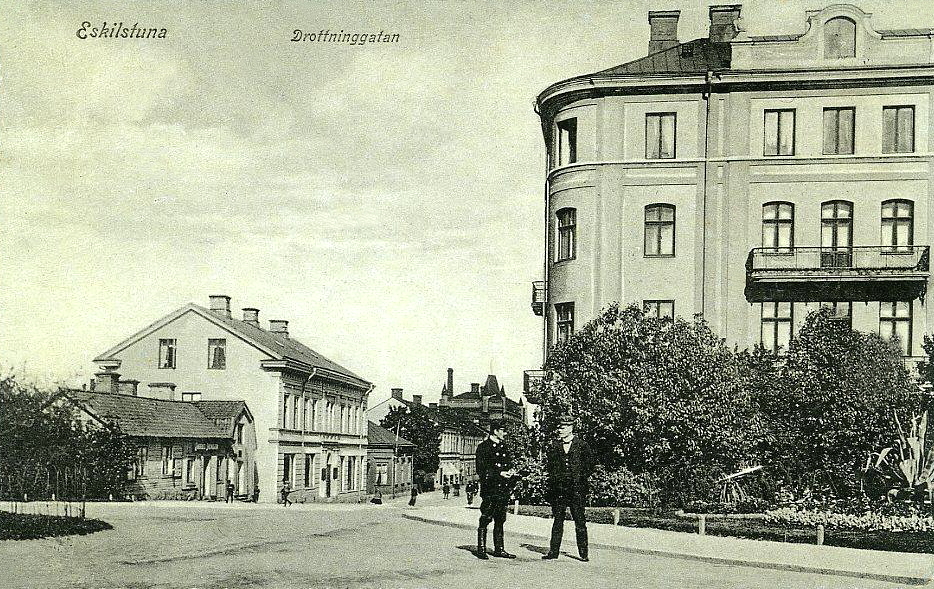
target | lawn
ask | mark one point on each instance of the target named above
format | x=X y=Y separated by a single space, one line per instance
x=25 y=526
x=755 y=529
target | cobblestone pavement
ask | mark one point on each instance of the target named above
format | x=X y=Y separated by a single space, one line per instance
x=191 y=546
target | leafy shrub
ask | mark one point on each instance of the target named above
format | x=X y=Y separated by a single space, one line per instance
x=619 y=487
x=749 y=505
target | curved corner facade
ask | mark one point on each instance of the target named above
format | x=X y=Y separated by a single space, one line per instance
x=686 y=184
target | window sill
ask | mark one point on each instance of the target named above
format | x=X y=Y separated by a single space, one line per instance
x=658 y=256
x=896 y=252
x=563 y=260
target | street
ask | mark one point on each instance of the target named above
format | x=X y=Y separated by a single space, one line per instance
x=214 y=546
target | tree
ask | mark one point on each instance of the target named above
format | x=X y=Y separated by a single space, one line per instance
x=419 y=426
x=829 y=403
x=657 y=396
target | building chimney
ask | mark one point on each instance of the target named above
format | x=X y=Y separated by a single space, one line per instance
x=475 y=387
x=251 y=316
x=663 y=30
x=162 y=390
x=220 y=304
x=417 y=399
x=279 y=326
x=397 y=394
x=433 y=405
x=723 y=19
x=106 y=382
x=128 y=387
x=450 y=382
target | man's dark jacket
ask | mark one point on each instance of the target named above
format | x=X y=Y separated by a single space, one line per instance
x=568 y=474
x=492 y=459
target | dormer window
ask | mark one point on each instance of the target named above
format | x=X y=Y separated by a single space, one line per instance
x=839 y=38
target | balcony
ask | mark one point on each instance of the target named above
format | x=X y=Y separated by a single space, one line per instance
x=861 y=273
x=539 y=296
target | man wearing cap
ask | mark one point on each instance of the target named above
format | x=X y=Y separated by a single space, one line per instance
x=496 y=472
x=569 y=464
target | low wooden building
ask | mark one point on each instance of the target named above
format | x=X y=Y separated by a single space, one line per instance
x=184 y=450
x=389 y=461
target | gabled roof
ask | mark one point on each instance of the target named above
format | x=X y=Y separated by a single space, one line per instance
x=275 y=346
x=377 y=435
x=144 y=416
x=691 y=57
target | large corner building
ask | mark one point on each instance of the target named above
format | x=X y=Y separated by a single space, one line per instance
x=748 y=178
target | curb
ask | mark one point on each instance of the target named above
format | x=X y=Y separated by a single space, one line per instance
x=904 y=580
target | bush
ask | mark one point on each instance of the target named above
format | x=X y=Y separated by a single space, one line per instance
x=750 y=505
x=619 y=488
x=24 y=526
x=656 y=396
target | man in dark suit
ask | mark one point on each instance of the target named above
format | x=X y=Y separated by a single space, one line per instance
x=496 y=472
x=569 y=464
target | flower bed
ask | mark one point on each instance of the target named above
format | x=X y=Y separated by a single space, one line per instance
x=868 y=521
x=25 y=526
x=759 y=529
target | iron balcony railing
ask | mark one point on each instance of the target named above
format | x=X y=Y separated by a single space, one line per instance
x=539 y=296
x=869 y=260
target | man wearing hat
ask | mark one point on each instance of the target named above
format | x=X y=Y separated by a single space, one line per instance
x=496 y=472
x=569 y=464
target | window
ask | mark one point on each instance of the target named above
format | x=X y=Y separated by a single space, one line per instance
x=841 y=312
x=295 y=400
x=139 y=466
x=839 y=130
x=779 y=132
x=659 y=309
x=836 y=234
x=239 y=433
x=189 y=471
x=660 y=231
x=660 y=135
x=564 y=322
x=898 y=224
x=217 y=354
x=309 y=468
x=285 y=411
x=166 y=460
x=567 y=234
x=567 y=142
x=776 y=325
x=895 y=321
x=898 y=129
x=191 y=396
x=778 y=226
x=305 y=413
x=167 y=353
x=288 y=467
x=839 y=38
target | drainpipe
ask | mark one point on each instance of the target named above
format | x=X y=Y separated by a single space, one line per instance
x=706 y=96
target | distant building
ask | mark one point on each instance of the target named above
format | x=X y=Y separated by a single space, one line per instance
x=749 y=178
x=389 y=461
x=482 y=403
x=184 y=450
x=309 y=411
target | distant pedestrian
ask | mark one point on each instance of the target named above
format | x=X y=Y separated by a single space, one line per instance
x=471 y=490
x=256 y=494
x=230 y=492
x=446 y=489
x=414 y=494
x=457 y=489
x=286 y=489
x=377 y=497
x=570 y=463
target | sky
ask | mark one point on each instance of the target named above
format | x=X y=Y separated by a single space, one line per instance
x=385 y=199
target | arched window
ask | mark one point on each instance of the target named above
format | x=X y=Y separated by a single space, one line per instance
x=778 y=226
x=836 y=233
x=567 y=234
x=660 y=230
x=897 y=224
x=839 y=38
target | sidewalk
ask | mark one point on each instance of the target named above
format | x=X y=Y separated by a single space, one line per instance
x=895 y=567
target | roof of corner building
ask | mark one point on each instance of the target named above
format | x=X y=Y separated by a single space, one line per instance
x=691 y=57
x=144 y=416
x=278 y=346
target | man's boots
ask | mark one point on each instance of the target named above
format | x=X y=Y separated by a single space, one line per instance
x=582 y=544
x=498 y=550
x=481 y=544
